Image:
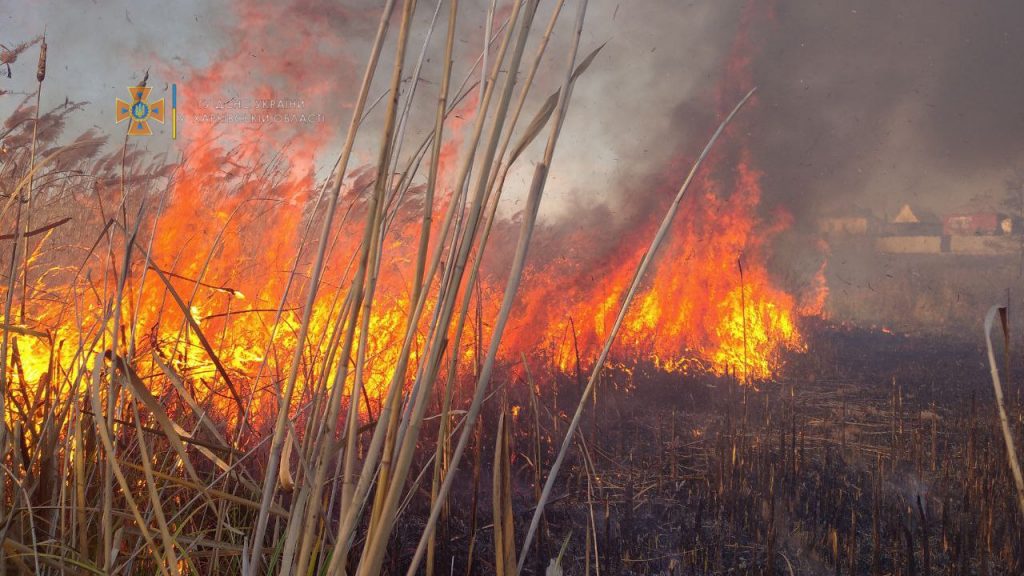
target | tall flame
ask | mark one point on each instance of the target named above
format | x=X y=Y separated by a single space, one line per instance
x=227 y=233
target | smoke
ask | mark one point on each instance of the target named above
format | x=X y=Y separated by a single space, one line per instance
x=876 y=103
x=867 y=104
x=871 y=105
x=861 y=103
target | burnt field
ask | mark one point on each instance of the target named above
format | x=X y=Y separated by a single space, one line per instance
x=363 y=287
x=879 y=454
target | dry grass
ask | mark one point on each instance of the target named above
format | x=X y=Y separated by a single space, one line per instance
x=106 y=475
x=118 y=461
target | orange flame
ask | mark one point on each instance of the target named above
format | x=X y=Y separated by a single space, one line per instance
x=227 y=232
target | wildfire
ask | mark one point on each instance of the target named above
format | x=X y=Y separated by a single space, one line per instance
x=710 y=296
x=229 y=231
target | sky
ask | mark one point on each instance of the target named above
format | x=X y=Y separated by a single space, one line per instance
x=861 y=103
x=97 y=49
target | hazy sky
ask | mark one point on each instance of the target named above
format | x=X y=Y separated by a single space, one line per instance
x=97 y=49
x=866 y=103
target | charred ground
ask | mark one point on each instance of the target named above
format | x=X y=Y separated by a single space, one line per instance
x=882 y=457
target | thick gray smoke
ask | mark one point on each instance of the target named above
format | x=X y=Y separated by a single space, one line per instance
x=865 y=104
x=879 y=103
x=861 y=102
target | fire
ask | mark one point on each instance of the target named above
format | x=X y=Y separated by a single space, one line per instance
x=698 y=302
x=230 y=230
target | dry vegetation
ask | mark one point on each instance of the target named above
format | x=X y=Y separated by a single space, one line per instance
x=117 y=460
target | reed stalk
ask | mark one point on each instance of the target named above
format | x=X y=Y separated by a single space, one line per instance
x=20 y=237
x=364 y=283
x=1004 y=421
x=274 y=458
x=495 y=186
x=630 y=293
x=515 y=277
x=373 y=554
x=351 y=513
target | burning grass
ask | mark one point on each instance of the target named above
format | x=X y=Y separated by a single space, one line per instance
x=218 y=364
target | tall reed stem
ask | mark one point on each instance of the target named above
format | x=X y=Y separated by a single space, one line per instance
x=634 y=286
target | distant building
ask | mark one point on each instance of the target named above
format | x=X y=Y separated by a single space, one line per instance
x=911 y=222
x=918 y=231
x=851 y=221
x=984 y=245
x=906 y=215
x=910 y=244
x=977 y=224
x=852 y=225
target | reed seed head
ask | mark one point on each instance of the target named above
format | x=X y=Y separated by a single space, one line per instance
x=41 y=69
